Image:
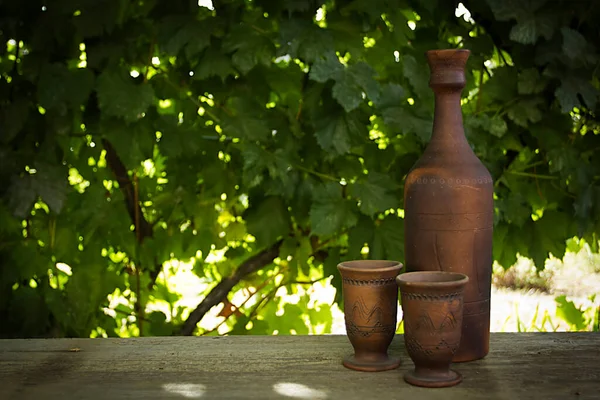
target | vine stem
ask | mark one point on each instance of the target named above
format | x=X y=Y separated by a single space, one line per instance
x=236 y=308
x=479 y=94
x=138 y=266
x=52 y=226
x=530 y=175
x=316 y=173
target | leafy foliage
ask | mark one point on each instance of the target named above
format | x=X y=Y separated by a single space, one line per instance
x=262 y=143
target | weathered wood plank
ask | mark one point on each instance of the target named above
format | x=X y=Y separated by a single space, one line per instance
x=520 y=366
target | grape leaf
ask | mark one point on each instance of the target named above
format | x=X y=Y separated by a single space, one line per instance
x=248 y=119
x=213 y=63
x=388 y=239
x=526 y=111
x=375 y=193
x=268 y=220
x=567 y=310
x=330 y=212
x=404 y=120
x=417 y=75
x=49 y=183
x=119 y=96
x=249 y=48
x=574 y=43
x=506 y=245
x=347 y=93
x=59 y=86
x=325 y=68
x=13 y=118
x=549 y=235
x=530 y=82
x=359 y=235
x=335 y=133
x=177 y=33
x=570 y=87
x=392 y=95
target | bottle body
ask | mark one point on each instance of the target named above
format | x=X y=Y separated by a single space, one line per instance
x=448 y=205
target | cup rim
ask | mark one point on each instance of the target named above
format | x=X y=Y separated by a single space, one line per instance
x=369 y=266
x=445 y=279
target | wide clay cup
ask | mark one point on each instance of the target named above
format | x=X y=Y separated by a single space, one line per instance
x=370 y=298
x=432 y=306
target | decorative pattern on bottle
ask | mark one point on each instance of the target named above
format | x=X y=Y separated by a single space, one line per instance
x=370 y=282
x=482 y=180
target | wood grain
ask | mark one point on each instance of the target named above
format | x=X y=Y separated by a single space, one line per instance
x=519 y=366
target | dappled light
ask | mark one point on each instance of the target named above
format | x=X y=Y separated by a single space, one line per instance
x=298 y=391
x=185 y=390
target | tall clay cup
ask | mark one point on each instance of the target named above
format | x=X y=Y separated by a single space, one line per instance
x=370 y=309
x=432 y=305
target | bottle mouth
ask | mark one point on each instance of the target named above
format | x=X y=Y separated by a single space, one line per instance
x=447 y=67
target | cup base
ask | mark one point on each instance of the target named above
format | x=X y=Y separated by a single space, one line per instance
x=453 y=378
x=385 y=364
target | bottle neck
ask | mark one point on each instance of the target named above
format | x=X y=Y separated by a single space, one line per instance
x=448 y=121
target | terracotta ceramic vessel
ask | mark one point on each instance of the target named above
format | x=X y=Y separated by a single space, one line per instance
x=432 y=306
x=448 y=205
x=370 y=298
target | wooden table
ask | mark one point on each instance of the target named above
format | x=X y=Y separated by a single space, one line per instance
x=519 y=366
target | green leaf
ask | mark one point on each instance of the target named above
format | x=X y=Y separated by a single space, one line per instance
x=574 y=43
x=392 y=95
x=572 y=86
x=49 y=183
x=347 y=93
x=330 y=269
x=417 y=75
x=330 y=212
x=506 y=245
x=305 y=40
x=335 y=134
x=249 y=48
x=268 y=220
x=177 y=33
x=388 y=240
x=363 y=75
x=59 y=86
x=568 y=312
x=530 y=82
x=248 y=119
x=325 y=68
x=404 y=120
x=120 y=96
x=526 y=111
x=360 y=235
x=13 y=118
x=300 y=249
x=213 y=63
x=549 y=236
x=350 y=81
x=376 y=193
x=158 y=324
x=494 y=125
x=524 y=31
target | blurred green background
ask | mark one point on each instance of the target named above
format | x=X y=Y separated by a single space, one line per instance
x=201 y=168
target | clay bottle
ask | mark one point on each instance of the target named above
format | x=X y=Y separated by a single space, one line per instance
x=448 y=205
